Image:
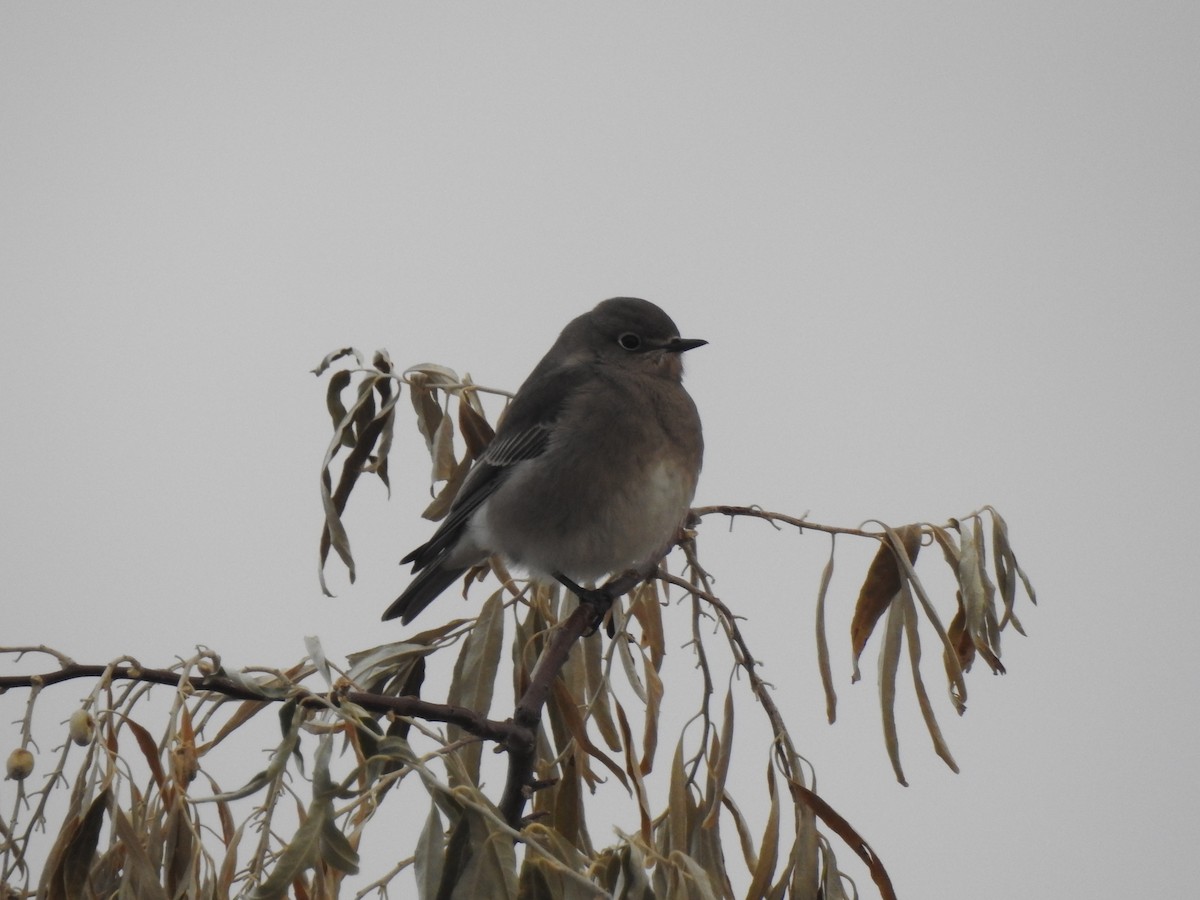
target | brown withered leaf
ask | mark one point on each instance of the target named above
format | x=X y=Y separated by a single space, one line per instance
x=442 y=451
x=178 y=856
x=149 y=751
x=599 y=709
x=881 y=586
x=477 y=433
x=654 y=695
x=425 y=405
x=768 y=848
x=635 y=772
x=745 y=838
x=646 y=608
x=71 y=861
x=959 y=638
x=846 y=832
x=568 y=708
x=140 y=875
x=441 y=503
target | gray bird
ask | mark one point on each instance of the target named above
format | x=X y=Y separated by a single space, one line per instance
x=592 y=470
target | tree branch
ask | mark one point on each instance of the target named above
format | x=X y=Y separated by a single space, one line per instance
x=467 y=719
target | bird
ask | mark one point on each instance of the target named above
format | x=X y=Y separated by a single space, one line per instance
x=592 y=469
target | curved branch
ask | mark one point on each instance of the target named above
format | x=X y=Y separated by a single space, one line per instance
x=467 y=719
x=774 y=518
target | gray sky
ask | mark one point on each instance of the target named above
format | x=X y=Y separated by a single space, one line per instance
x=945 y=256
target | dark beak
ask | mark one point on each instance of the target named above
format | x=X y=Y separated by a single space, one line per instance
x=679 y=345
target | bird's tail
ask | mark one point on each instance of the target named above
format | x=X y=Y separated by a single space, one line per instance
x=421 y=592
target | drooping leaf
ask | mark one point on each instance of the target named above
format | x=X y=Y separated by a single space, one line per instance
x=880 y=587
x=73 y=865
x=332 y=357
x=431 y=848
x=889 y=658
x=140 y=874
x=149 y=751
x=823 y=640
x=477 y=433
x=718 y=771
x=912 y=634
x=474 y=676
x=301 y=852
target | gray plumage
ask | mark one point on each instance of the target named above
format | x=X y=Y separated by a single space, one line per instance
x=593 y=468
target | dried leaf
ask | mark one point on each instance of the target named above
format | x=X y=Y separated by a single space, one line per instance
x=718 y=769
x=179 y=858
x=477 y=433
x=425 y=405
x=140 y=874
x=630 y=666
x=474 y=676
x=332 y=357
x=150 y=752
x=431 y=847
x=647 y=609
x=1000 y=525
x=958 y=685
x=881 y=586
x=316 y=653
x=889 y=658
x=336 y=849
x=654 y=695
x=635 y=772
x=976 y=597
x=490 y=869
x=914 y=656
x=442 y=451
x=823 y=640
x=768 y=848
x=444 y=498
x=960 y=640
x=568 y=811
x=745 y=838
x=72 y=867
x=678 y=801
x=599 y=710
x=301 y=852
x=566 y=706
x=846 y=832
x=337 y=409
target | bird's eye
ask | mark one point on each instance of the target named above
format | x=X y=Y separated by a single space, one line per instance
x=629 y=341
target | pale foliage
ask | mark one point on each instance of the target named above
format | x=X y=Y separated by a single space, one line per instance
x=144 y=818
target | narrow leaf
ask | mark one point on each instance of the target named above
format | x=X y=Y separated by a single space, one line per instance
x=889 y=658
x=474 y=676
x=912 y=633
x=768 y=848
x=823 y=639
x=881 y=586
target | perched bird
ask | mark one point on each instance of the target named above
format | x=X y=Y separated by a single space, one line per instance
x=592 y=470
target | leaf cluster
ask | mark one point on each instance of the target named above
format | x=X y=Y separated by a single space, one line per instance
x=593 y=716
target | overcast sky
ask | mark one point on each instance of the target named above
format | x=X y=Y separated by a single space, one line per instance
x=945 y=256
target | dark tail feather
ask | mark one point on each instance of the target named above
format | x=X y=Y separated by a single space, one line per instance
x=423 y=591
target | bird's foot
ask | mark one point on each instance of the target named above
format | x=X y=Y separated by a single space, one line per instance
x=598 y=600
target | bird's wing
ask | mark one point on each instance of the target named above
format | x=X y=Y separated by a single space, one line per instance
x=524 y=434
